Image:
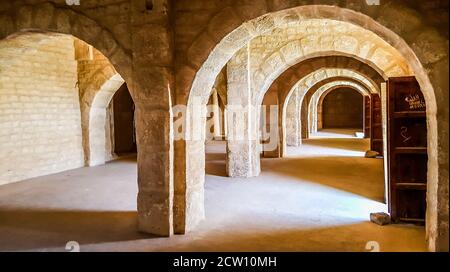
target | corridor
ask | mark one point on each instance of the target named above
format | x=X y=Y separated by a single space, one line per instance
x=317 y=199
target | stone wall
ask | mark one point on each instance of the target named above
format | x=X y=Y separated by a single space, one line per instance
x=40 y=125
x=315 y=104
x=292 y=118
x=172 y=50
x=342 y=108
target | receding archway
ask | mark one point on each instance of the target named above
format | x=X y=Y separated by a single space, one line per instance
x=314 y=106
x=204 y=78
x=301 y=86
x=124 y=130
x=344 y=103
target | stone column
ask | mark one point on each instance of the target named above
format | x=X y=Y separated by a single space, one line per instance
x=243 y=156
x=304 y=117
x=216 y=115
x=270 y=126
x=224 y=123
x=319 y=116
x=97 y=136
x=293 y=121
x=313 y=113
x=152 y=82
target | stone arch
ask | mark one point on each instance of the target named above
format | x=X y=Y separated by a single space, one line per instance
x=93 y=107
x=285 y=82
x=47 y=17
x=312 y=70
x=315 y=106
x=217 y=41
x=289 y=55
x=50 y=19
x=153 y=105
x=292 y=103
x=304 y=107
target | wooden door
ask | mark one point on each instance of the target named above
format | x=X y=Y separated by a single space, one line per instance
x=376 y=127
x=367 y=116
x=407 y=150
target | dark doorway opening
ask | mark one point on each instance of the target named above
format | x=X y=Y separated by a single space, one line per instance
x=124 y=125
x=343 y=108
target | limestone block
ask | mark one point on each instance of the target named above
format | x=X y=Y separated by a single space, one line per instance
x=103 y=41
x=43 y=127
x=223 y=23
x=24 y=17
x=7 y=25
x=380 y=218
x=153 y=43
x=371 y=154
x=43 y=16
x=154 y=215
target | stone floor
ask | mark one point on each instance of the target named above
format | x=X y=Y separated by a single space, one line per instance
x=317 y=199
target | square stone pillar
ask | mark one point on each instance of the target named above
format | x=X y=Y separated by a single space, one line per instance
x=151 y=87
x=293 y=120
x=304 y=117
x=155 y=170
x=243 y=147
x=214 y=123
x=97 y=136
x=270 y=120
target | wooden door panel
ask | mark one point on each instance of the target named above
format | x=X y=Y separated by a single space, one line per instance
x=376 y=134
x=410 y=168
x=411 y=205
x=367 y=117
x=405 y=99
x=407 y=150
x=410 y=132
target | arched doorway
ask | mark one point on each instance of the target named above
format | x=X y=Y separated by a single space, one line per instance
x=122 y=108
x=205 y=76
x=342 y=108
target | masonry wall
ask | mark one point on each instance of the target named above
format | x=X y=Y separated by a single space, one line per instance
x=198 y=25
x=93 y=67
x=40 y=127
x=342 y=108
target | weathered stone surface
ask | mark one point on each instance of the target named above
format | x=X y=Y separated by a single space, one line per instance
x=371 y=154
x=380 y=218
x=398 y=38
x=242 y=155
x=43 y=16
x=315 y=106
x=24 y=17
x=62 y=21
x=39 y=107
x=7 y=25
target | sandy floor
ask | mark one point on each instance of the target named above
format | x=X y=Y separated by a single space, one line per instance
x=317 y=199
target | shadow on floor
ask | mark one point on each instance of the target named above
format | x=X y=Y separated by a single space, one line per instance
x=342 y=238
x=343 y=173
x=126 y=157
x=32 y=229
x=347 y=144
